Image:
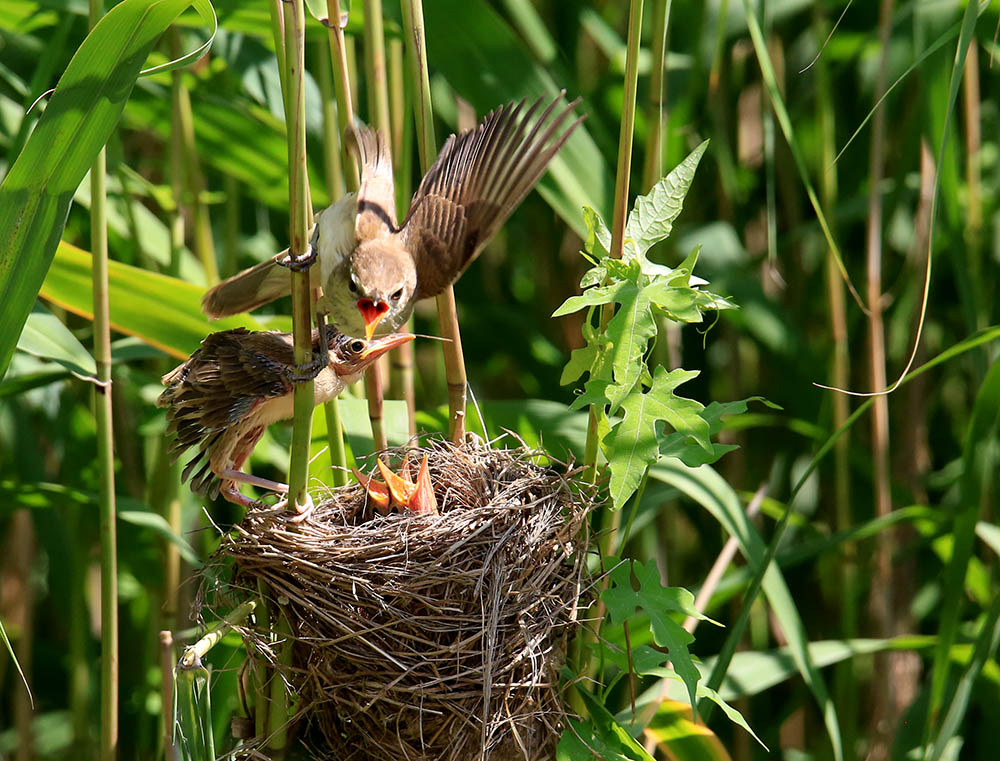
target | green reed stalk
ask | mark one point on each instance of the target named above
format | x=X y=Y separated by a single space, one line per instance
x=401 y=359
x=454 y=360
x=105 y=448
x=300 y=221
x=335 y=185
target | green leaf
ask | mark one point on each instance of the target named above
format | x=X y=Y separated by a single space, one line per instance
x=692 y=453
x=580 y=362
x=681 y=738
x=82 y=112
x=652 y=217
x=176 y=325
x=658 y=602
x=602 y=735
x=46 y=337
x=632 y=444
x=731 y=713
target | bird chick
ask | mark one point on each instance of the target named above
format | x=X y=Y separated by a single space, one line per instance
x=372 y=271
x=230 y=390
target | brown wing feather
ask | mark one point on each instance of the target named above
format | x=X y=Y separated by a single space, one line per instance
x=475 y=184
x=376 y=193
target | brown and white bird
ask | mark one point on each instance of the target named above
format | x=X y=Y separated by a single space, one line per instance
x=372 y=270
x=239 y=382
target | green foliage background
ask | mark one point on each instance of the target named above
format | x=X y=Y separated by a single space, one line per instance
x=761 y=246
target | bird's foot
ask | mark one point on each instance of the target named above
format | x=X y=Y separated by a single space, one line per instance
x=312 y=368
x=415 y=496
x=304 y=262
x=294 y=513
x=231 y=477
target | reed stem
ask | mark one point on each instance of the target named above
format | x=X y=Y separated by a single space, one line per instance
x=454 y=361
x=105 y=448
x=300 y=221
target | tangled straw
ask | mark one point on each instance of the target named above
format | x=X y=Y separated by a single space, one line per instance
x=425 y=637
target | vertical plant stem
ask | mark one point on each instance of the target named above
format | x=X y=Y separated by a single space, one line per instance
x=454 y=361
x=845 y=679
x=974 y=217
x=401 y=359
x=105 y=449
x=300 y=220
x=620 y=204
x=170 y=750
x=335 y=185
x=656 y=119
x=881 y=599
x=378 y=112
x=204 y=247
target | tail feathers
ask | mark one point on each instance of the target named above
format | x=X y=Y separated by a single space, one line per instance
x=247 y=290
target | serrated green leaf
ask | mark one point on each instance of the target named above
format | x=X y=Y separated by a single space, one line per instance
x=691 y=453
x=603 y=734
x=580 y=362
x=731 y=713
x=631 y=446
x=595 y=392
x=658 y=602
x=598 y=242
x=652 y=217
x=604 y=294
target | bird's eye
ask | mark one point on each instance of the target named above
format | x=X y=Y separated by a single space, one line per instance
x=352 y=284
x=357 y=346
x=397 y=295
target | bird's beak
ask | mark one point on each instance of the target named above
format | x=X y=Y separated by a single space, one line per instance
x=372 y=311
x=379 y=346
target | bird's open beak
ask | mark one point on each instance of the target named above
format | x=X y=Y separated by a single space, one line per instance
x=379 y=346
x=372 y=311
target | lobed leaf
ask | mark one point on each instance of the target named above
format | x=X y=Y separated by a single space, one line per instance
x=653 y=215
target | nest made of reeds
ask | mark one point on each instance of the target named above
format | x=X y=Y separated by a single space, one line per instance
x=430 y=637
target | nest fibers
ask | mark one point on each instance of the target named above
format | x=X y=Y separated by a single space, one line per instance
x=430 y=638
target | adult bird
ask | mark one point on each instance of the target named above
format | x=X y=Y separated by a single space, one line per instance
x=239 y=382
x=372 y=270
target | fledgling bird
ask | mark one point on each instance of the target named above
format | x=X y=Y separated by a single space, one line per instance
x=398 y=490
x=371 y=270
x=238 y=383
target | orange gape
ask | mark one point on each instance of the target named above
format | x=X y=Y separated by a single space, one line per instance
x=398 y=490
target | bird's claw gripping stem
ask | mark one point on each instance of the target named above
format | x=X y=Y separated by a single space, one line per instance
x=304 y=262
x=312 y=368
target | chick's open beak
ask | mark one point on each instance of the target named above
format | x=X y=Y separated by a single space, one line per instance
x=372 y=310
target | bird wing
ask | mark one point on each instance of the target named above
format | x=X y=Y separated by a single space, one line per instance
x=476 y=182
x=223 y=380
x=376 y=194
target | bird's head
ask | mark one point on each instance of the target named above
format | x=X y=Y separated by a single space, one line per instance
x=350 y=355
x=381 y=282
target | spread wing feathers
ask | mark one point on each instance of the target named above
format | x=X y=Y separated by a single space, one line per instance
x=222 y=382
x=376 y=194
x=475 y=184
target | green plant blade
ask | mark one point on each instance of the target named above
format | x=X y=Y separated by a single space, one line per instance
x=176 y=325
x=36 y=193
x=44 y=336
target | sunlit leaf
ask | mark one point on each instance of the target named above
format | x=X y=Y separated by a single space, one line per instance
x=46 y=337
x=36 y=193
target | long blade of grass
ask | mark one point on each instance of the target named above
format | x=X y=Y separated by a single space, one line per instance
x=778 y=103
x=84 y=109
x=978 y=469
x=176 y=326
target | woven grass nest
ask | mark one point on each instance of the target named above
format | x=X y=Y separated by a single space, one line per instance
x=430 y=637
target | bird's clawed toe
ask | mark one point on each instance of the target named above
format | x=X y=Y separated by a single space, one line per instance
x=299 y=263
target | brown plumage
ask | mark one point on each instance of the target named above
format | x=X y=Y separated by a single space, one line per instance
x=222 y=399
x=373 y=271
